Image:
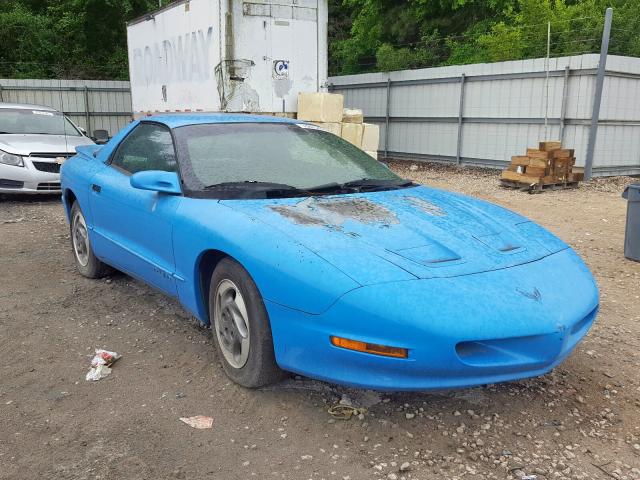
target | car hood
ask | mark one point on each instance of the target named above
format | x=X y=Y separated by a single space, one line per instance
x=404 y=234
x=27 y=144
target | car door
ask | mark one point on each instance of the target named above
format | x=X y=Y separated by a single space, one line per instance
x=133 y=227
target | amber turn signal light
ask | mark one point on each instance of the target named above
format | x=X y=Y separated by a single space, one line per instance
x=372 y=348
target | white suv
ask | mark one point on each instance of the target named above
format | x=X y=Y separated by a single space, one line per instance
x=34 y=141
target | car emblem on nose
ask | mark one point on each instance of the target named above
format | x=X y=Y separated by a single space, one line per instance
x=535 y=295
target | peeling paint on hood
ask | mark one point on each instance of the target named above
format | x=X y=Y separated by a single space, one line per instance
x=333 y=212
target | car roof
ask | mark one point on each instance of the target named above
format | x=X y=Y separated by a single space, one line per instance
x=26 y=106
x=181 y=120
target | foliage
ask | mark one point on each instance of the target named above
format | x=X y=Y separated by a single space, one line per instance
x=87 y=38
x=392 y=35
x=390 y=58
x=66 y=38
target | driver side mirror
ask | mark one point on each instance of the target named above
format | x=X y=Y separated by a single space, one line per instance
x=100 y=136
x=157 y=181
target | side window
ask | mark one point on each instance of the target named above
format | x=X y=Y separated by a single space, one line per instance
x=148 y=147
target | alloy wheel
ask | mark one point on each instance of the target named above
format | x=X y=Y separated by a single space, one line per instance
x=231 y=323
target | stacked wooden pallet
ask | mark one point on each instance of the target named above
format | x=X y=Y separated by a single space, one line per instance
x=548 y=165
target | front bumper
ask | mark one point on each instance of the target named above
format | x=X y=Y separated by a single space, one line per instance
x=29 y=179
x=463 y=331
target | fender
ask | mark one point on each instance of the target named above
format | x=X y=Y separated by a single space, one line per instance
x=308 y=284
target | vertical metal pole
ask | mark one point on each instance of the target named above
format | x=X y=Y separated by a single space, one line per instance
x=322 y=45
x=597 y=98
x=229 y=41
x=563 y=109
x=86 y=109
x=546 y=85
x=1 y=100
x=386 y=121
x=460 y=113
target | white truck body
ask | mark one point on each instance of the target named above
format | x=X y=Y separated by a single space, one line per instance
x=227 y=55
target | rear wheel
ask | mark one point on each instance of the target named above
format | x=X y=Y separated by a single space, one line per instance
x=86 y=262
x=241 y=328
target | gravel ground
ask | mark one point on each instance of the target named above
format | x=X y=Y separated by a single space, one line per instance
x=579 y=422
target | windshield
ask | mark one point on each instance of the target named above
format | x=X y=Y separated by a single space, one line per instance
x=34 y=121
x=271 y=153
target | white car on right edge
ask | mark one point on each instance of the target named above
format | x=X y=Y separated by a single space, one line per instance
x=34 y=141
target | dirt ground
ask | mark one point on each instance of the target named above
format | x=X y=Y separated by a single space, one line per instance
x=579 y=422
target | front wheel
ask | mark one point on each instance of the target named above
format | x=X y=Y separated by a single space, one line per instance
x=241 y=328
x=86 y=262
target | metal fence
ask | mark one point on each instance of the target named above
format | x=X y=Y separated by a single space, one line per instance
x=482 y=114
x=91 y=104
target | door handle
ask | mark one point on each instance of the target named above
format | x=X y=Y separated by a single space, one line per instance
x=96 y=188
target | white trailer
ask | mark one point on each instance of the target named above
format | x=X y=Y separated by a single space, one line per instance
x=227 y=55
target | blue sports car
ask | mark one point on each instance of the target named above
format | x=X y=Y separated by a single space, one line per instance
x=305 y=254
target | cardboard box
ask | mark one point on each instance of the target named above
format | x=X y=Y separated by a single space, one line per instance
x=320 y=107
x=370 y=137
x=335 y=128
x=520 y=160
x=538 y=154
x=352 y=115
x=538 y=162
x=561 y=171
x=373 y=154
x=550 y=146
x=562 y=164
x=535 y=171
x=563 y=153
x=352 y=132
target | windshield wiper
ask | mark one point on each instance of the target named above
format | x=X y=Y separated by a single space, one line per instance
x=251 y=185
x=254 y=189
x=371 y=182
x=362 y=184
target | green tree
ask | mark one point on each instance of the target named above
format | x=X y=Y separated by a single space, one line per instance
x=387 y=35
x=87 y=38
x=67 y=38
x=413 y=30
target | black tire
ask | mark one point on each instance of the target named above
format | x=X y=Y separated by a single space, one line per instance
x=88 y=266
x=260 y=368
